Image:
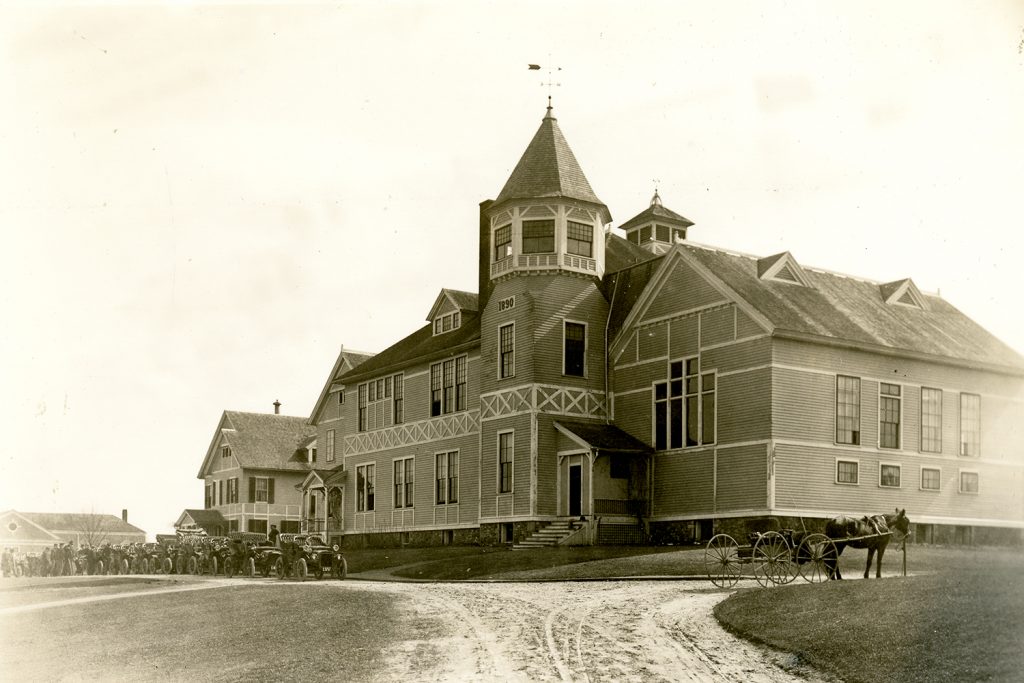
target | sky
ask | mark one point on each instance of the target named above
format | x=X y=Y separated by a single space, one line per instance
x=200 y=204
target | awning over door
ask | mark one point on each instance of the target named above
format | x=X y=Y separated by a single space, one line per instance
x=603 y=438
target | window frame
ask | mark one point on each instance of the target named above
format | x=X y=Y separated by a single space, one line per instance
x=506 y=243
x=329 y=438
x=366 y=488
x=920 y=480
x=977 y=423
x=232 y=490
x=923 y=415
x=855 y=434
x=225 y=451
x=511 y=353
x=854 y=461
x=266 y=490
x=899 y=475
x=682 y=390
x=443 y=493
x=506 y=466
x=565 y=350
x=898 y=398
x=960 y=482
x=571 y=242
x=445 y=398
x=536 y=247
x=405 y=493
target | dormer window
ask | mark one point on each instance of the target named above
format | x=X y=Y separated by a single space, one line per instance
x=503 y=242
x=225 y=451
x=902 y=293
x=782 y=268
x=447 y=323
x=539 y=237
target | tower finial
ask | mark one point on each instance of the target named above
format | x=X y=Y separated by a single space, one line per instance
x=656 y=200
x=550 y=82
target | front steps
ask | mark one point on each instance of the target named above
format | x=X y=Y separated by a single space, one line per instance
x=548 y=537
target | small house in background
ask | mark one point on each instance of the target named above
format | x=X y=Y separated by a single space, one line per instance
x=30 y=532
x=210 y=521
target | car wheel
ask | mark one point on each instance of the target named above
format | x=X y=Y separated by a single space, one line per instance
x=250 y=568
x=340 y=569
x=279 y=567
x=229 y=568
x=193 y=566
x=301 y=569
x=213 y=566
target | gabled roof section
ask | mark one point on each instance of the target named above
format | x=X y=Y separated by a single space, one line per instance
x=260 y=440
x=76 y=522
x=206 y=519
x=548 y=168
x=346 y=361
x=602 y=437
x=421 y=346
x=317 y=477
x=841 y=309
x=902 y=293
x=462 y=301
x=782 y=268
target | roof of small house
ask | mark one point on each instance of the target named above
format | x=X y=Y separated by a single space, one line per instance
x=76 y=522
x=204 y=518
x=261 y=440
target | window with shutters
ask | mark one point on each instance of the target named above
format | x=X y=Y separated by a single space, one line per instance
x=258 y=526
x=262 y=490
x=232 y=490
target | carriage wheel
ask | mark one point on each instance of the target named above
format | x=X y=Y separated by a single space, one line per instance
x=301 y=569
x=773 y=560
x=815 y=554
x=722 y=560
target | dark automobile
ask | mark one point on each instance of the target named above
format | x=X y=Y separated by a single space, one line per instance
x=312 y=555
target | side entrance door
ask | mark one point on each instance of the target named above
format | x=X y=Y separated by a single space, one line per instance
x=575 y=490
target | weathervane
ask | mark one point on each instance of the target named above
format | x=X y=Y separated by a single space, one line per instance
x=551 y=82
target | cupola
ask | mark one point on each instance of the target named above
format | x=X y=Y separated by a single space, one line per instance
x=656 y=228
x=546 y=217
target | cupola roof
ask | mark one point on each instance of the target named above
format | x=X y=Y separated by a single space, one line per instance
x=656 y=212
x=548 y=168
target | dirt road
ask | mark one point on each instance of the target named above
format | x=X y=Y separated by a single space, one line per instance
x=593 y=631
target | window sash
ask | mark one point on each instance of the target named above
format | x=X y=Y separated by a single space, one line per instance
x=848 y=410
x=505 y=452
x=507 y=350
x=889 y=476
x=447 y=478
x=502 y=242
x=539 y=237
x=888 y=421
x=575 y=335
x=847 y=471
x=262 y=490
x=970 y=425
x=580 y=239
x=365 y=488
x=931 y=420
x=330 y=445
x=968 y=482
x=931 y=479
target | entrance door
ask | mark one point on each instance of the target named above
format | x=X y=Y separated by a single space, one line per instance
x=575 y=490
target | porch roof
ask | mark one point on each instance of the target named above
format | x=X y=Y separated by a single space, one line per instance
x=603 y=437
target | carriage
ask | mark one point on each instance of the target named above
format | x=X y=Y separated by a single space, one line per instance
x=778 y=557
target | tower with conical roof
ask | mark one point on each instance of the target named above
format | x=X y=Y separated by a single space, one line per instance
x=542 y=255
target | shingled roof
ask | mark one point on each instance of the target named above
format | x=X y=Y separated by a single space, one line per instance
x=261 y=440
x=852 y=310
x=420 y=347
x=656 y=211
x=70 y=522
x=548 y=168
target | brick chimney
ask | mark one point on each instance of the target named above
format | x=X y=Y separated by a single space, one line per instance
x=124 y=515
x=277 y=407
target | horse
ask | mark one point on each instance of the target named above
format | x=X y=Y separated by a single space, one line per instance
x=879 y=529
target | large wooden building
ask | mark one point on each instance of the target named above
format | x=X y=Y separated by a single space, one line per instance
x=655 y=388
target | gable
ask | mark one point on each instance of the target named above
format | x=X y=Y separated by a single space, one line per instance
x=15 y=528
x=684 y=289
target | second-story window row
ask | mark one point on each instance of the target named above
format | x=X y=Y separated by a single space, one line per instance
x=381 y=402
x=448 y=386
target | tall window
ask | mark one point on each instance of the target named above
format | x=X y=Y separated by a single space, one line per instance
x=846 y=471
x=362 y=407
x=507 y=350
x=398 y=407
x=448 y=386
x=505 y=451
x=889 y=475
x=889 y=415
x=970 y=425
x=447 y=478
x=575 y=349
x=208 y=498
x=404 y=479
x=848 y=410
x=580 y=239
x=931 y=478
x=261 y=489
x=684 y=406
x=539 y=237
x=330 y=445
x=232 y=490
x=502 y=242
x=931 y=420
x=365 y=475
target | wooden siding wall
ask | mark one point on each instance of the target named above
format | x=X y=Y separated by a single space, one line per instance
x=803 y=409
x=493 y=504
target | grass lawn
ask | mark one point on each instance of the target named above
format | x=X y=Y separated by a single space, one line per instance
x=959 y=617
x=252 y=632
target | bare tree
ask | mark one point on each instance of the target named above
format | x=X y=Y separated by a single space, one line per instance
x=92 y=529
